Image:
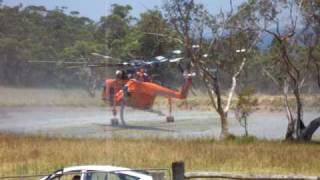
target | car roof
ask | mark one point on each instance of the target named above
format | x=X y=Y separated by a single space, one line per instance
x=95 y=168
x=105 y=168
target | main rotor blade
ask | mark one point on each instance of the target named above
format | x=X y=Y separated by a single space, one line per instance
x=175 y=60
x=79 y=64
x=106 y=65
x=102 y=56
x=161 y=58
x=57 y=62
x=106 y=58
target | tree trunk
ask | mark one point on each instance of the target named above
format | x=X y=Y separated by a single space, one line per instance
x=291 y=119
x=299 y=123
x=307 y=133
x=290 y=130
x=224 y=125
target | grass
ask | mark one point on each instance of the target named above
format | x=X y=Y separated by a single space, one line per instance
x=21 y=155
x=13 y=97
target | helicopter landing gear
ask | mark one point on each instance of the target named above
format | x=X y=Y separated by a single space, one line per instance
x=122 y=112
x=114 y=121
x=170 y=119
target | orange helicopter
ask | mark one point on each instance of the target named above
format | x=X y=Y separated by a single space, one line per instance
x=137 y=90
x=139 y=94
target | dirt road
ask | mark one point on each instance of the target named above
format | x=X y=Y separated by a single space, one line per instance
x=95 y=122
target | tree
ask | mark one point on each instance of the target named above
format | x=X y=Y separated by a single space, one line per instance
x=290 y=64
x=190 y=21
x=35 y=33
x=152 y=25
x=114 y=30
x=244 y=107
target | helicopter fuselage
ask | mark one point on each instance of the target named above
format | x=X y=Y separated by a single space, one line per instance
x=140 y=94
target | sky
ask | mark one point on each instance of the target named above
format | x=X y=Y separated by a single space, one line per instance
x=94 y=9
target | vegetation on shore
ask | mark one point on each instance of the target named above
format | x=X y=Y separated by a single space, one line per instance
x=29 y=155
x=23 y=97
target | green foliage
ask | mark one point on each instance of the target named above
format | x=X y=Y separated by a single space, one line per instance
x=82 y=49
x=121 y=11
x=115 y=29
x=244 y=106
x=151 y=26
x=35 y=33
x=246 y=100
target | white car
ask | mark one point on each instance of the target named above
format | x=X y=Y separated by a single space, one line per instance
x=94 y=172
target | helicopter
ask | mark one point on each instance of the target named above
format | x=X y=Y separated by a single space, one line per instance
x=132 y=86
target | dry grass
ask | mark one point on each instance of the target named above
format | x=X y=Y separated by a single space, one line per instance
x=265 y=102
x=37 y=155
x=46 y=97
x=10 y=97
x=275 y=102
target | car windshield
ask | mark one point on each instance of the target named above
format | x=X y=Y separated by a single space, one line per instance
x=60 y=175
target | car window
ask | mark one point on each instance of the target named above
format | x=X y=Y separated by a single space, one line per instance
x=113 y=176
x=96 y=176
x=122 y=176
x=108 y=176
x=68 y=176
x=127 y=177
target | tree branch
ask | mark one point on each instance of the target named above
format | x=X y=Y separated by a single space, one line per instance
x=234 y=83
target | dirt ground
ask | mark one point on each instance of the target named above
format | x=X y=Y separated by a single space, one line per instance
x=95 y=122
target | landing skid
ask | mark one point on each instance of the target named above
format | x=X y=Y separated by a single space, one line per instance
x=170 y=119
x=114 y=122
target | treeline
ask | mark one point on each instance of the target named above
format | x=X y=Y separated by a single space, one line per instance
x=36 y=33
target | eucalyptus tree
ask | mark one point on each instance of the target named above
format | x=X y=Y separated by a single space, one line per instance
x=115 y=31
x=292 y=53
x=13 y=44
x=214 y=55
x=152 y=25
x=155 y=39
x=310 y=11
x=36 y=33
